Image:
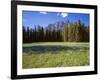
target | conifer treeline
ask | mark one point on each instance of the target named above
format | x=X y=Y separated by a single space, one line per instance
x=72 y=32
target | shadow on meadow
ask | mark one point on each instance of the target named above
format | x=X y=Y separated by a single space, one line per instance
x=44 y=49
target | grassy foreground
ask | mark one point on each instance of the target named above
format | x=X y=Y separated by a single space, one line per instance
x=55 y=54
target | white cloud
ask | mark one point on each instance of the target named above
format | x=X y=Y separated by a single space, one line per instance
x=58 y=14
x=43 y=12
x=64 y=15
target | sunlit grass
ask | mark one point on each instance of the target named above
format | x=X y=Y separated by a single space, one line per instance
x=58 y=58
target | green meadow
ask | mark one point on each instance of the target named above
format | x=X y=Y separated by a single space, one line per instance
x=55 y=54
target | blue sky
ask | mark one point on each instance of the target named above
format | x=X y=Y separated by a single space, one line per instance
x=31 y=18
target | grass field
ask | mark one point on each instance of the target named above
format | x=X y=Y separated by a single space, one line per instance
x=55 y=54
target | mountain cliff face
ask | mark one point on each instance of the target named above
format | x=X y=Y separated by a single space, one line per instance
x=57 y=25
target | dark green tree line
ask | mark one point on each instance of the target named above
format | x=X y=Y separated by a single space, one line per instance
x=71 y=32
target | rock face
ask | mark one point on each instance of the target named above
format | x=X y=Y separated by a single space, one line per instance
x=57 y=25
